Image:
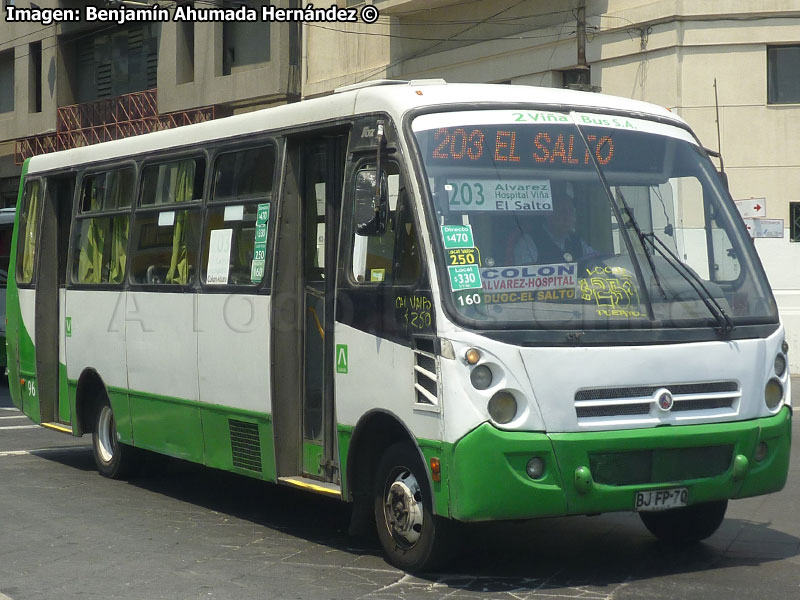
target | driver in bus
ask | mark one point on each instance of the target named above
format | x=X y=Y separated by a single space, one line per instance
x=551 y=239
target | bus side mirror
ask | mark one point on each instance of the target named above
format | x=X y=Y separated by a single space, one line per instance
x=370 y=201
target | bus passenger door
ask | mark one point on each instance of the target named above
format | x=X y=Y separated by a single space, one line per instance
x=50 y=298
x=303 y=410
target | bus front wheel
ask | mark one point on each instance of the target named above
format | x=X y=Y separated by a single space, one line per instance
x=686 y=525
x=113 y=459
x=412 y=537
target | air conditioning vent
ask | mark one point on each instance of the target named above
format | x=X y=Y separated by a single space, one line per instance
x=245 y=445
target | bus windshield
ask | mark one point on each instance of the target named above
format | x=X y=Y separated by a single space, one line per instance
x=585 y=220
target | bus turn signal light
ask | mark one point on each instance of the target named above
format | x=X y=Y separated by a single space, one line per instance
x=436 y=469
x=472 y=356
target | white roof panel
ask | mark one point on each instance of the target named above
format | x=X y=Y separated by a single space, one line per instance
x=393 y=99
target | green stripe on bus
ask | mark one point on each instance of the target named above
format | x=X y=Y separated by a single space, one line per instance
x=209 y=434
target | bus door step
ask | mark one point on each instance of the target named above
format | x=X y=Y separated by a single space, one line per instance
x=322 y=487
x=58 y=427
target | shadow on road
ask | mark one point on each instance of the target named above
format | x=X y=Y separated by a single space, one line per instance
x=601 y=551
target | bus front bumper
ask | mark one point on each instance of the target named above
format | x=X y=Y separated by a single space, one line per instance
x=596 y=472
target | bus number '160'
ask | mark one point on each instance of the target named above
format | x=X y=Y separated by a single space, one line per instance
x=469 y=299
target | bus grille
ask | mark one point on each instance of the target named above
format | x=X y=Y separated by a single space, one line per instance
x=245 y=445
x=599 y=403
x=426 y=381
x=660 y=465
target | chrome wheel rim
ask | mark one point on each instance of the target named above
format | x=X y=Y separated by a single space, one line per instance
x=106 y=435
x=402 y=507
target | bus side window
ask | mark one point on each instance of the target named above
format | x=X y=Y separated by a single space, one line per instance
x=392 y=257
x=166 y=235
x=102 y=227
x=408 y=263
x=28 y=230
x=235 y=242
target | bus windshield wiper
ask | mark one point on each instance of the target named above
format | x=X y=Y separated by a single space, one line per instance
x=615 y=209
x=714 y=307
x=723 y=320
x=640 y=234
x=693 y=279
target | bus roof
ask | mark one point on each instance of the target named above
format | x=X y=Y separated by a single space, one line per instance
x=396 y=99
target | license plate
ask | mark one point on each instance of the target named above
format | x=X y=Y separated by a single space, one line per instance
x=661 y=499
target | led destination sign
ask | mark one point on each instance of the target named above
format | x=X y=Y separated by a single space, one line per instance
x=540 y=145
x=521 y=146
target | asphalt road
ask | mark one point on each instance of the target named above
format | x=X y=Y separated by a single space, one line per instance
x=180 y=531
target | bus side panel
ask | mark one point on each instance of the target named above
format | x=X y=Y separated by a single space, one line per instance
x=379 y=374
x=168 y=425
x=13 y=327
x=95 y=339
x=234 y=379
x=26 y=353
x=65 y=411
x=161 y=348
x=233 y=350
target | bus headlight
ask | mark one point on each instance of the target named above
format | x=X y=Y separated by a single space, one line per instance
x=481 y=377
x=502 y=407
x=773 y=394
x=780 y=365
x=785 y=347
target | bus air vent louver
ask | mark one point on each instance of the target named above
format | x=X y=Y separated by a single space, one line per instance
x=245 y=445
x=425 y=379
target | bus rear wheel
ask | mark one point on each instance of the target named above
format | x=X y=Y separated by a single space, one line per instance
x=686 y=525
x=412 y=537
x=113 y=459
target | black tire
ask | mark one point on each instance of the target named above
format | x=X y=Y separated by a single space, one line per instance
x=412 y=537
x=113 y=459
x=687 y=525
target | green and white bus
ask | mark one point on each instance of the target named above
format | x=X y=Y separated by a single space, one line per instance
x=443 y=303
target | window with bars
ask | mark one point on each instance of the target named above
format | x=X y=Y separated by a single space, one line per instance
x=794 y=221
x=118 y=62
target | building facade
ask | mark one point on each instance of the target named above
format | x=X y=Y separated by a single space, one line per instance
x=75 y=83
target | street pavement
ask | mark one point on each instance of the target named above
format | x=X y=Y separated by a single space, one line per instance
x=180 y=531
